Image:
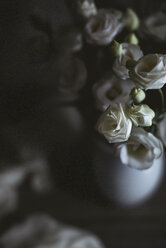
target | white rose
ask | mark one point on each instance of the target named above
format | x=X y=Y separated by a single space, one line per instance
x=86 y=8
x=140 y=150
x=111 y=90
x=114 y=124
x=129 y=51
x=149 y=72
x=141 y=115
x=103 y=27
x=155 y=26
x=161 y=129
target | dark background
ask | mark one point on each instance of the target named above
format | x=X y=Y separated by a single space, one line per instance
x=30 y=113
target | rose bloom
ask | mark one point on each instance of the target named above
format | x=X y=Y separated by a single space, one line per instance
x=111 y=90
x=141 y=115
x=103 y=27
x=155 y=26
x=161 y=129
x=140 y=150
x=114 y=124
x=149 y=72
x=129 y=51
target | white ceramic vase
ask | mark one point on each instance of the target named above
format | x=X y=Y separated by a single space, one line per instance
x=125 y=186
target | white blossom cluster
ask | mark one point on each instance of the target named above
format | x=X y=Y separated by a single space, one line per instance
x=120 y=93
x=134 y=128
x=124 y=123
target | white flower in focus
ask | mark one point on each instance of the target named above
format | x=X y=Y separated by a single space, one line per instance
x=129 y=51
x=103 y=27
x=141 y=115
x=161 y=129
x=114 y=124
x=155 y=26
x=110 y=91
x=140 y=150
x=73 y=75
x=86 y=8
x=149 y=72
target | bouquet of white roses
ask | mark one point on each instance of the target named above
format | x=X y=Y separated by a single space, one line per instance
x=136 y=130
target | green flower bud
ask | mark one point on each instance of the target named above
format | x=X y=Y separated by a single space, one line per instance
x=116 y=48
x=132 y=39
x=131 y=20
x=138 y=95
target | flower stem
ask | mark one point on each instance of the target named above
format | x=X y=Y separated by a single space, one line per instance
x=162 y=99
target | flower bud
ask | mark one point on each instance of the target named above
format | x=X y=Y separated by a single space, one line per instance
x=131 y=20
x=87 y=8
x=132 y=39
x=138 y=95
x=116 y=48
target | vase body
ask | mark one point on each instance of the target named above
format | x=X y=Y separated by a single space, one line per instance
x=125 y=186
